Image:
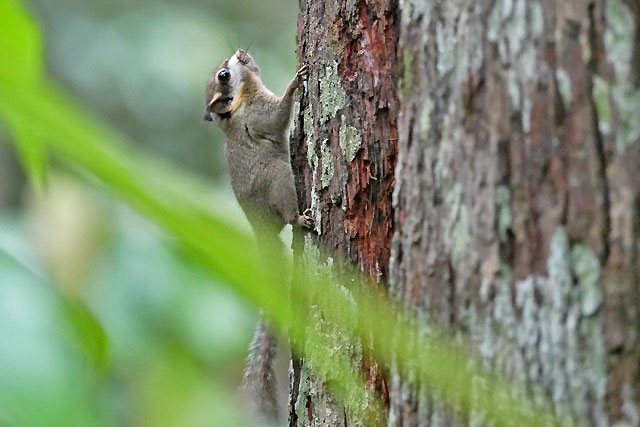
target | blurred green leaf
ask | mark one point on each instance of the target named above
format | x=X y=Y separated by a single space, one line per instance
x=20 y=45
x=85 y=329
x=89 y=332
x=22 y=68
x=33 y=154
x=47 y=362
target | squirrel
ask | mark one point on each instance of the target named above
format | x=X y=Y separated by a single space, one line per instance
x=256 y=124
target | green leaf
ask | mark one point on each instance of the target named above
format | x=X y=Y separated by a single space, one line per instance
x=21 y=67
x=88 y=332
x=21 y=59
x=32 y=153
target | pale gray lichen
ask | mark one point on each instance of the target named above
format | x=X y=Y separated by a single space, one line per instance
x=619 y=37
x=457 y=222
x=445 y=40
x=494 y=24
x=326 y=159
x=351 y=11
x=292 y=123
x=412 y=9
x=587 y=270
x=315 y=209
x=473 y=45
x=627 y=100
x=536 y=19
x=308 y=122
x=528 y=65
x=503 y=198
x=558 y=267
x=510 y=27
x=458 y=42
x=513 y=88
x=546 y=332
x=350 y=141
x=630 y=407
x=447 y=148
x=574 y=330
x=332 y=97
x=425 y=119
x=313 y=390
x=619 y=43
x=312 y=157
x=503 y=310
x=313 y=161
x=510 y=20
x=564 y=86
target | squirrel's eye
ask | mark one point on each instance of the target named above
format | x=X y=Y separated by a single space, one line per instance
x=224 y=75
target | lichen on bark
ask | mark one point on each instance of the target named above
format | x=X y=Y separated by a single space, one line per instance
x=344 y=148
x=515 y=207
x=507 y=175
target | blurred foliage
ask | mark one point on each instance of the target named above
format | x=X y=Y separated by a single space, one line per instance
x=175 y=342
x=172 y=332
x=174 y=346
x=142 y=65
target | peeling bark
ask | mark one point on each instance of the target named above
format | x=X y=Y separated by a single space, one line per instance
x=499 y=143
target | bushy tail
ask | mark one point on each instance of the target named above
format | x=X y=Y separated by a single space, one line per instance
x=259 y=377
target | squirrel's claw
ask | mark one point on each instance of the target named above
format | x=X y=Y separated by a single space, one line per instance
x=305 y=220
x=303 y=72
x=301 y=76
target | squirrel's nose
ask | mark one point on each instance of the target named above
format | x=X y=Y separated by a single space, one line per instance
x=207 y=117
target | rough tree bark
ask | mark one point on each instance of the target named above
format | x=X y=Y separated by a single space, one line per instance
x=344 y=157
x=511 y=216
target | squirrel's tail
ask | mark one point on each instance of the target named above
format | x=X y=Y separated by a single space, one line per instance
x=259 y=377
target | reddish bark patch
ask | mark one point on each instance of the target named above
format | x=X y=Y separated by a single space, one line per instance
x=366 y=67
x=356 y=207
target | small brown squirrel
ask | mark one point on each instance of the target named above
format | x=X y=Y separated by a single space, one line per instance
x=256 y=123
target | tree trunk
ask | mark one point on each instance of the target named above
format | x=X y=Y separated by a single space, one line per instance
x=345 y=150
x=516 y=193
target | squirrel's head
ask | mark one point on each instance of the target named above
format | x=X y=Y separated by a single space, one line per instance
x=225 y=87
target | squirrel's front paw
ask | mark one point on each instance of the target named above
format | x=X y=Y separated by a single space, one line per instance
x=301 y=76
x=305 y=219
x=303 y=73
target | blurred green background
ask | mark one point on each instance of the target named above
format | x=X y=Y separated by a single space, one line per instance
x=78 y=268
